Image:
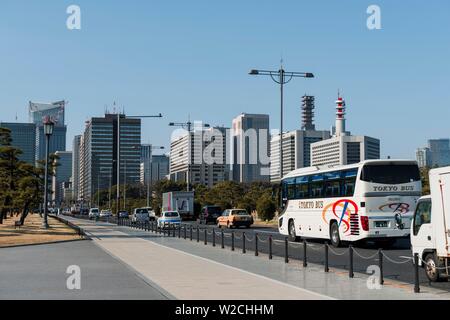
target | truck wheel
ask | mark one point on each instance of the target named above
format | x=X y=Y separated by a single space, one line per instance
x=431 y=268
x=292 y=234
x=334 y=235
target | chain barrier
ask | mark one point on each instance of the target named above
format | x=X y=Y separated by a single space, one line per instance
x=336 y=253
x=237 y=237
x=249 y=239
x=364 y=257
x=396 y=262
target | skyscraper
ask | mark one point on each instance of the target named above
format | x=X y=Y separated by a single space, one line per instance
x=100 y=146
x=251 y=161
x=76 y=164
x=437 y=154
x=55 y=110
x=190 y=159
x=24 y=138
x=63 y=172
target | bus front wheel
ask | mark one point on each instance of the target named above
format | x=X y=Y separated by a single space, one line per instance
x=292 y=234
x=334 y=235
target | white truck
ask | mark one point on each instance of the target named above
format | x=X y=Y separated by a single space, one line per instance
x=430 y=230
x=180 y=201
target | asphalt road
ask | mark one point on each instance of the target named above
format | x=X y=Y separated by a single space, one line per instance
x=397 y=262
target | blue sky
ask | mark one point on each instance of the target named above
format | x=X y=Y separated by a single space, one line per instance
x=185 y=58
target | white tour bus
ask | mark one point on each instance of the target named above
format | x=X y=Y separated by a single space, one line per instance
x=374 y=199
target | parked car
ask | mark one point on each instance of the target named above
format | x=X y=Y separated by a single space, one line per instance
x=235 y=218
x=84 y=211
x=209 y=214
x=140 y=215
x=123 y=214
x=94 y=213
x=105 y=214
x=169 y=218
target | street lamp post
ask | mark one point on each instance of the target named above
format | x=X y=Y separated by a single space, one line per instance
x=187 y=126
x=118 y=152
x=281 y=77
x=48 y=131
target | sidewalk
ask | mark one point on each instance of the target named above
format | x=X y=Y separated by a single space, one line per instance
x=191 y=270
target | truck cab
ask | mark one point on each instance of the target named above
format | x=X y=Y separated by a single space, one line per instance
x=430 y=230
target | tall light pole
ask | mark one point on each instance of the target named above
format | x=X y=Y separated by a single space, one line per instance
x=48 y=131
x=281 y=77
x=118 y=151
x=187 y=126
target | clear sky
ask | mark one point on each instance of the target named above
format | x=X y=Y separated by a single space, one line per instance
x=185 y=58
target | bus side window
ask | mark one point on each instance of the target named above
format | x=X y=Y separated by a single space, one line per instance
x=349 y=183
x=317 y=186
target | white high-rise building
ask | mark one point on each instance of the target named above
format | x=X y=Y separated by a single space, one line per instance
x=296 y=144
x=251 y=148
x=344 y=148
x=199 y=157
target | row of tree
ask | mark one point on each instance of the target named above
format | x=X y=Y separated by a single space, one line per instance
x=21 y=183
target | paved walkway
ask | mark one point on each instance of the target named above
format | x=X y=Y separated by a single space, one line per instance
x=191 y=270
x=39 y=272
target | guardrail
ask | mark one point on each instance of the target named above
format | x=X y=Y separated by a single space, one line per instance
x=186 y=232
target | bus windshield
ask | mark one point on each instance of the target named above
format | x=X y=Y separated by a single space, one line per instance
x=390 y=173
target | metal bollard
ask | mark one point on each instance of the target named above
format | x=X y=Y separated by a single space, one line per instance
x=185 y=231
x=206 y=237
x=198 y=234
x=174 y=234
x=232 y=241
x=270 y=247
x=256 y=245
x=214 y=237
x=416 y=273
x=380 y=265
x=350 y=270
x=190 y=231
x=223 y=239
x=327 y=269
x=179 y=231
x=305 y=256
x=243 y=243
x=286 y=250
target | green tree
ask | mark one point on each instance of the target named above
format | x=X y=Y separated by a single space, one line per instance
x=425 y=180
x=266 y=208
x=9 y=171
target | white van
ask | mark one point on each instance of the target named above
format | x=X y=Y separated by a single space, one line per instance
x=430 y=231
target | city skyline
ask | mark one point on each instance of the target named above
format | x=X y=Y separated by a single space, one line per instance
x=373 y=68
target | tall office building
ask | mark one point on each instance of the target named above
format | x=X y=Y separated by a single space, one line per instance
x=156 y=170
x=200 y=157
x=100 y=151
x=423 y=157
x=297 y=143
x=440 y=152
x=63 y=172
x=437 y=154
x=251 y=148
x=24 y=138
x=37 y=113
x=76 y=164
x=296 y=150
x=343 y=148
